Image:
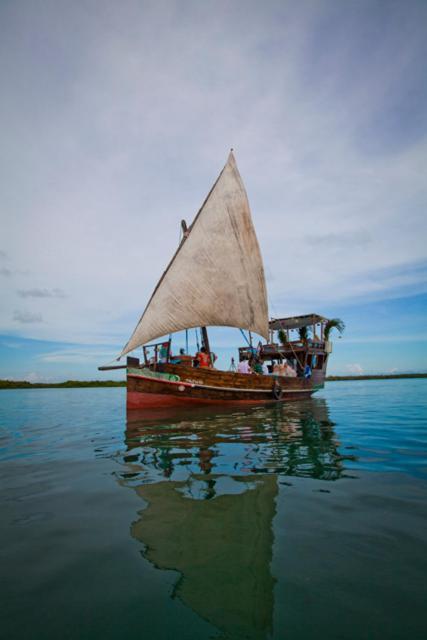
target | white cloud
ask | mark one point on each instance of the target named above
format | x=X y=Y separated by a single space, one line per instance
x=392 y=338
x=355 y=369
x=76 y=356
x=27 y=317
x=32 y=376
x=35 y=376
x=12 y=345
x=41 y=293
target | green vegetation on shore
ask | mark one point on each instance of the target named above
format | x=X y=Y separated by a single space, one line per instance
x=385 y=376
x=71 y=384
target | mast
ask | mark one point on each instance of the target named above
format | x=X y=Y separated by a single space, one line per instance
x=205 y=341
x=203 y=330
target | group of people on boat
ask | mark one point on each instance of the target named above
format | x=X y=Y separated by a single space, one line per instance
x=251 y=365
x=257 y=366
x=284 y=369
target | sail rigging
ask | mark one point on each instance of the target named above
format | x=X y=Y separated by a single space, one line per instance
x=216 y=277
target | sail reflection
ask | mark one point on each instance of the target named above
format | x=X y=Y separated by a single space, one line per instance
x=222 y=548
x=209 y=482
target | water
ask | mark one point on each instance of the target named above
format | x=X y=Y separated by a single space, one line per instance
x=287 y=522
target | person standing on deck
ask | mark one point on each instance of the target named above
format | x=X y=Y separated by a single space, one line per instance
x=288 y=370
x=203 y=357
x=291 y=371
x=243 y=367
x=257 y=366
x=280 y=369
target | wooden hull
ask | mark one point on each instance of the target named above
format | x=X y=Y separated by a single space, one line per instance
x=178 y=385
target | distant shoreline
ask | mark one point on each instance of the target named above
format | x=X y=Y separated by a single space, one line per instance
x=69 y=384
x=73 y=384
x=397 y=376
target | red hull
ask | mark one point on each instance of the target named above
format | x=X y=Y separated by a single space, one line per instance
x=139 y=400
x=177 y=386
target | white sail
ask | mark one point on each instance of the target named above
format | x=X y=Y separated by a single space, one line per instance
x=216 y=276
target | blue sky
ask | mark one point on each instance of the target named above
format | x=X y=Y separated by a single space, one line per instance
x=116 y=119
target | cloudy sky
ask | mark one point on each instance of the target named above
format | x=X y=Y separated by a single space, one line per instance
x=116 y=118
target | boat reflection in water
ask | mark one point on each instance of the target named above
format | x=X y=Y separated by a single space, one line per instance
x=210 y=483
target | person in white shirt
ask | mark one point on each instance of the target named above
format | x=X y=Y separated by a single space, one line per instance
x=265 y=371
x=290 y=371
x=280 y=369
x=243 y=367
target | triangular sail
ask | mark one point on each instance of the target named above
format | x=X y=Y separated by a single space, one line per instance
x=216 y=277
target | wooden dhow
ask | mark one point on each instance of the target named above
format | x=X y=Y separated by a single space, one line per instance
x=216 y=278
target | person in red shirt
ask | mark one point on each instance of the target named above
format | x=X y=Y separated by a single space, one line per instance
x=203 y=357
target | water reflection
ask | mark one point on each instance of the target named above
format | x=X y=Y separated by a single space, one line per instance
x=210 y=482
x=222 y=549
x=297 y=439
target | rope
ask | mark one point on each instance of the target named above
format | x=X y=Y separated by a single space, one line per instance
x=244 y=335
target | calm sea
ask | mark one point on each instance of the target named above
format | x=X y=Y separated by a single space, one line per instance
x=303 y=521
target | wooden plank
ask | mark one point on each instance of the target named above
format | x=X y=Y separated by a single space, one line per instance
x=184 y=392
x=115 y=366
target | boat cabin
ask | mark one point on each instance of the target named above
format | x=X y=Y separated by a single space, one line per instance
x=299 y=340
x=160 y=352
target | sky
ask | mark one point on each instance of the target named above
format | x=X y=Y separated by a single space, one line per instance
x=115 y=120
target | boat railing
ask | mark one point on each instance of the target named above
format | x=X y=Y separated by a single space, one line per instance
x=274 y=350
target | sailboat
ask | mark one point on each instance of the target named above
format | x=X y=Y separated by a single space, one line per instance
x=216 y=278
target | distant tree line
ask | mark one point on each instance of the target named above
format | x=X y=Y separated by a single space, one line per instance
x=23 y=384
x=391 y=376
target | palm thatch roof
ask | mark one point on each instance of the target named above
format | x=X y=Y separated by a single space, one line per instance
x=296 y=322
